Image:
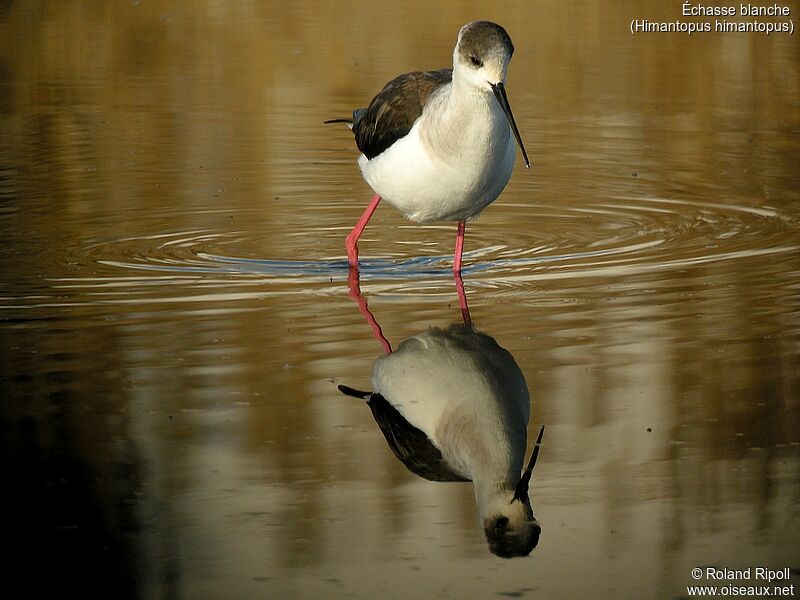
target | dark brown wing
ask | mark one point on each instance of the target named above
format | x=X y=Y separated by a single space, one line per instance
x=392 y=113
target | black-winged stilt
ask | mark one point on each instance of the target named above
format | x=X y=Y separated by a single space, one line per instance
x=439 y=145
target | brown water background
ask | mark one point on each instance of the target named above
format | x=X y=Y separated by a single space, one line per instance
x=174 y=310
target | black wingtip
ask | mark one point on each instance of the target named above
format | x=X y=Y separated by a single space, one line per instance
x=348 y=391
x=345 y=121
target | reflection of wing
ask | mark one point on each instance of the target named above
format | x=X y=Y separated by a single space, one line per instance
x=409 y=444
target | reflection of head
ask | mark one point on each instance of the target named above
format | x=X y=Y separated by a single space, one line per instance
x=513 y=531
x=510 y=527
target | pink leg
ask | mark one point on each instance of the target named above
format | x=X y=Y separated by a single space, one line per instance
x=355 y=294
x=351 y=242
x=459 y=247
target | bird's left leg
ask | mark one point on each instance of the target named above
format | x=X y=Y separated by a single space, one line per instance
x=459 y=247
x=351 y=242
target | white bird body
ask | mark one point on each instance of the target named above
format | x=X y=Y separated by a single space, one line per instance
x=455 y=161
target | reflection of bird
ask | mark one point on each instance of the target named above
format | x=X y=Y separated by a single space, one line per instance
x=453 y=406
x=438 y=144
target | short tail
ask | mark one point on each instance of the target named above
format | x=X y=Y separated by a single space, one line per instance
x=353 y=392
x=357 y=115
x=348 y=122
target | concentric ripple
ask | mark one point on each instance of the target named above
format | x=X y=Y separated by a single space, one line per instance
x=631 y=235
x=619 y=237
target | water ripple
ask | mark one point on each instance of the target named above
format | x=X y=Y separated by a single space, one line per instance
x=620 y=237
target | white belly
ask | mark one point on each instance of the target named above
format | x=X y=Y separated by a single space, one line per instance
x=429 y=186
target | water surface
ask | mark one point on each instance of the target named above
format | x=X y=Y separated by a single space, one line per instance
x=175 y=312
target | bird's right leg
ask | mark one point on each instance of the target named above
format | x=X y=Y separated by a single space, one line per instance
x=351 y=242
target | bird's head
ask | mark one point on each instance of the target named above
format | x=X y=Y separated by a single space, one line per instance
x=482 y=54
x=481 y=58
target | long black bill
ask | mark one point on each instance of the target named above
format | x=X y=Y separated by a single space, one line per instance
x=500 y=93
x=521 y=491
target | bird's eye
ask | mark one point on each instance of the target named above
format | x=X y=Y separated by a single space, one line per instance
x=476 y=62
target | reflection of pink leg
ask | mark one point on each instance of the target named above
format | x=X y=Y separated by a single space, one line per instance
x=351 y=242
x=462 y=296
x=462 y=299
x=459 y=247
x=355 y=294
